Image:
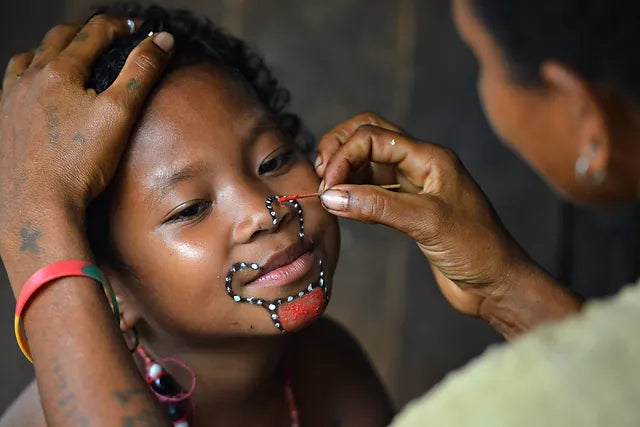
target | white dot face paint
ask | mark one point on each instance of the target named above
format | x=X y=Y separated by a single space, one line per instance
x=315 y=293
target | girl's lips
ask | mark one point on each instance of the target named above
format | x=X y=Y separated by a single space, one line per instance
x=287 y=274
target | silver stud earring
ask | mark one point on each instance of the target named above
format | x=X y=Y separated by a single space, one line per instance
x=581 y=168
x=583 y=164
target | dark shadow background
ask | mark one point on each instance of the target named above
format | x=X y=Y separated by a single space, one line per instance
x=403 y=60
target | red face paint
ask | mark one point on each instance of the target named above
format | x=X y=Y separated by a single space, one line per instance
x=299 y=313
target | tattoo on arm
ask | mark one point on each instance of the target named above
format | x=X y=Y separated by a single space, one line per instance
x=78 y=138
x=53 y=123
x=144 y=416
x=66 y=399
x=133 y=84
x=125 y=396
x=144 y=419
x=81 y=36
x=29 y=240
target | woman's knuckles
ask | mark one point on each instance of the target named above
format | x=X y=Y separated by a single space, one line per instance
x=146 y=61
x=105 y=24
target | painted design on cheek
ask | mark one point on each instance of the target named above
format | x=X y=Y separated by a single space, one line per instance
x=294 y=311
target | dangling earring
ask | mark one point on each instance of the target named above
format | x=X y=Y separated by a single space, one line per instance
x=164 y=386
x=583 y=164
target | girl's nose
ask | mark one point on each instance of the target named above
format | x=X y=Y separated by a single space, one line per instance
x=253 y=216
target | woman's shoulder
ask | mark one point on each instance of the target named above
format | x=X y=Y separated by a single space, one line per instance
x=329 y=366
x=26 y=410
x=582 y=371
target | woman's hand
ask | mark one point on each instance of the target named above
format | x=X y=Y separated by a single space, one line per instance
x=59 y=147
x=60 y=143
x=480 y=269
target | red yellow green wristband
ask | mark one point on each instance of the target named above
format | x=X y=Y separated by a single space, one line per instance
x=47 y=274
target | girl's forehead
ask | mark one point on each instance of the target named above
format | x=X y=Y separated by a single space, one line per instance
x=192 y=93
x=195 y=108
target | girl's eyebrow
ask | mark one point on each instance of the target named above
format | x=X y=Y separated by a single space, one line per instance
x=167 y=181
x=262 y=122
x=262 y=125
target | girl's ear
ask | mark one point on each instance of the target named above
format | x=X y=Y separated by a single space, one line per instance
x=129 y=309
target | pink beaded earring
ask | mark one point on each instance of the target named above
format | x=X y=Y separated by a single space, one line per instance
x=166 y=389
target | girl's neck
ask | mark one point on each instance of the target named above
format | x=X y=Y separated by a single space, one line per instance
x=232 y=375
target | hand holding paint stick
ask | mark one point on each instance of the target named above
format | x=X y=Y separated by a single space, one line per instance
x=318 y=194
x=476 y=262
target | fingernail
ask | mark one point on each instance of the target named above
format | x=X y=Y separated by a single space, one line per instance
x=321 y=186
x=337 y=200
x=164 y=41
x=318 y=161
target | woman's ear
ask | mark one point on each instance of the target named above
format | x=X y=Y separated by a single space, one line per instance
x=588 y=118
x=127 y=303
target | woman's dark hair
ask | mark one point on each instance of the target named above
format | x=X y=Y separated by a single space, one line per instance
x=197 y=40
x=597 y=39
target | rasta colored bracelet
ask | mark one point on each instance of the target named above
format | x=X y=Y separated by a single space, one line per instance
x=47 y=274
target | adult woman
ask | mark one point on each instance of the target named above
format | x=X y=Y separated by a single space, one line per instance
x=479 y=268
x=570 y=107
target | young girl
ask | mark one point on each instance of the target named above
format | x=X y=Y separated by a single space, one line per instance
x=208 y=269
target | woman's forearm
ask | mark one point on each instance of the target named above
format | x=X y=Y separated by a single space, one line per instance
x=533 y=297
x=85 y=374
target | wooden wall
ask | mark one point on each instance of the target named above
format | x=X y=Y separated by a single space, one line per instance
x=401 y=59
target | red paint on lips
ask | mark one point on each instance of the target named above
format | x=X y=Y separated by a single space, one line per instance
x=285 y=275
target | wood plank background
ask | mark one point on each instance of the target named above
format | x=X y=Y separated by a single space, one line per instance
x=403 y=60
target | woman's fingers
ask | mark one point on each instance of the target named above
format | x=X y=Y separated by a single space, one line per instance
x=53 y=43
x=142 y=69
x=90 y=42
x=332 y=140
x=16 y=66
x=413 y=160
x=415 y=215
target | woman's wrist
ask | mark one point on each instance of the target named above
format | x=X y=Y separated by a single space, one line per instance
x=82 y=365
x=530 y=297
x=46 y=236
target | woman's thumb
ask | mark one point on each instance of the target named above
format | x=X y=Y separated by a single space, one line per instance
x=408 y=213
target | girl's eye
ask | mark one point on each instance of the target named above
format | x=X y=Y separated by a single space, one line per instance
x=191 y=212
x=276 y=163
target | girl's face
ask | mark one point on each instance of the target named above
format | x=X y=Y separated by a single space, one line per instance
x=190 y=204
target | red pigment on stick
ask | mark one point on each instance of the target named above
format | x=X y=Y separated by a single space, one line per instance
x=296 y=196
x=302 y=311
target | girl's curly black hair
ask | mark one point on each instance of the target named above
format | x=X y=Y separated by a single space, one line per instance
x=197 y=40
